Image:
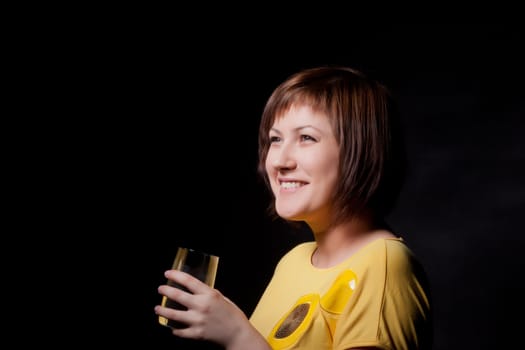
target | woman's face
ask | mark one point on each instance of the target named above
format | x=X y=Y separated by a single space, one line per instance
x=303 y=166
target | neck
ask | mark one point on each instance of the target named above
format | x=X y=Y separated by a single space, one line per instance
x=340 y=241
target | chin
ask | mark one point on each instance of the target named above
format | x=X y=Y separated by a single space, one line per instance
x=290 y=215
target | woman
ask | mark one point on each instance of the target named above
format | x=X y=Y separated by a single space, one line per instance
x=331 y=153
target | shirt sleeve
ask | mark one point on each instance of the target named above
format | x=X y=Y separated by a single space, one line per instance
x=390 y=307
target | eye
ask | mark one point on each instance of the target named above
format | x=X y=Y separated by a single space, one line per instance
x=307 y=138
x=274 y=139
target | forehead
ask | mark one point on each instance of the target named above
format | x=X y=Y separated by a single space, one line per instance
x=301 y=116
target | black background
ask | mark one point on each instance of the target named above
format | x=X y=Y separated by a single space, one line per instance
x=168 y=137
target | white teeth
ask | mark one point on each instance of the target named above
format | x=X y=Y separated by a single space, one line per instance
x=288 y=185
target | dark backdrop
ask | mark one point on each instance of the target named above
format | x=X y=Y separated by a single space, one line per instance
x=175 y=164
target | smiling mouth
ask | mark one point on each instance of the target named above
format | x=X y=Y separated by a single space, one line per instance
x=288 y=185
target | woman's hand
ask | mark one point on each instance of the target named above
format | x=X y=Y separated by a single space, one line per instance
x=209 y=315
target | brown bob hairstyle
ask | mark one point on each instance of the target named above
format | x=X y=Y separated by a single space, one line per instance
x=365 y=121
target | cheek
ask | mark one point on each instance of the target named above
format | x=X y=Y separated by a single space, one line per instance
x=268 y=164
x=271 y=172
x=328 y=169
x=320 y=162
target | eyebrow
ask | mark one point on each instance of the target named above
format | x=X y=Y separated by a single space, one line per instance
x=298 y=128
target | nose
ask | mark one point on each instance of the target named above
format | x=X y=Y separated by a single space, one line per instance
x=284 y=159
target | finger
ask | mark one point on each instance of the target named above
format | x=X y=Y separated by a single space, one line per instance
x=177 y=294
x=189 y=332
x=193 y=284
x=172 y=314
x=228 y=300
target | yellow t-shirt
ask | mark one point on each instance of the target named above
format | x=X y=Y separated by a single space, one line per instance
x=377 y=297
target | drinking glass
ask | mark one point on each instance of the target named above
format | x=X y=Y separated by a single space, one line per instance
x=198 y=264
